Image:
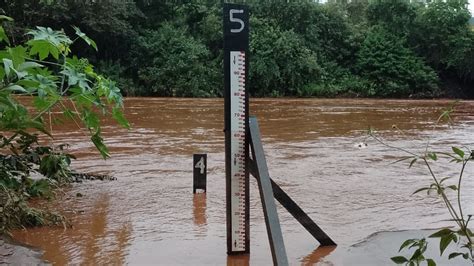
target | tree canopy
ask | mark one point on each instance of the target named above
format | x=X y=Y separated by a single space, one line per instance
x=361 y=48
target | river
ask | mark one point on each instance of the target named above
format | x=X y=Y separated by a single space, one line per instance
x=149 y=215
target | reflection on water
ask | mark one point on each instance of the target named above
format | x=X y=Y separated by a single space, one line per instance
x=90 y=242
x=238 y=260
x=150 y=215
x=317 y=255
x=199 y=212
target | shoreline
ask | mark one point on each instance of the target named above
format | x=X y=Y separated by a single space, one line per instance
x=16 y=253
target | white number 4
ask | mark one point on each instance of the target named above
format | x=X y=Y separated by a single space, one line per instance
x=201 y=165
x=237 y=20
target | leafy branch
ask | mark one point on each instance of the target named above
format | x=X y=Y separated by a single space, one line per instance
x=44 y=68
x=447 y=236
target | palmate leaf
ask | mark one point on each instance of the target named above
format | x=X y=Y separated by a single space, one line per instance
x=107 y=88
x=43 y=48
x=56 y=38
x=76 y=78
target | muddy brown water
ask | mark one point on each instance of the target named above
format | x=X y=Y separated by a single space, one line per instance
x=150 y=216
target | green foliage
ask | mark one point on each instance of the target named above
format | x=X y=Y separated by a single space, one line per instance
x=117 y=71
x=462 y=236
x=420 y=246
x=391 y=67
x=395 y=16
x=26 y=72
x=280 y=62
x=178 y=63
x=449 y=46
x=44 y=68
x=145 y=45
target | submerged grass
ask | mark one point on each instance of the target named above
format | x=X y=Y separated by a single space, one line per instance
x=16 y=213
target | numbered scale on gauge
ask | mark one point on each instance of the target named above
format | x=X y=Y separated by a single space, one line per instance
x=238 y=149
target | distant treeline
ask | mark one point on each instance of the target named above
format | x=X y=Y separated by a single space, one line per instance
x=368 y=48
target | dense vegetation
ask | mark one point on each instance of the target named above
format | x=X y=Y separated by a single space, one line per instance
x=61 y=86
x=302 y=48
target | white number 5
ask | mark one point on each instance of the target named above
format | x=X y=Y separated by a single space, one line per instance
x=238 y=20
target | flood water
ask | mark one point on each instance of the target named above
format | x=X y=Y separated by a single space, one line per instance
x=149 y=215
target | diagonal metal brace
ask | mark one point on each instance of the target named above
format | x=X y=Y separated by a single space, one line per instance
x=272 y=221
x=283 y=198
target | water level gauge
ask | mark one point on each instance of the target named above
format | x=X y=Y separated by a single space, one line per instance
x=236 y=127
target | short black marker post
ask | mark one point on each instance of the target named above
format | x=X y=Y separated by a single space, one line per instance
x=199 y=172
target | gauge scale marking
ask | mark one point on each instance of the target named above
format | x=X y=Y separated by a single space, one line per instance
x=236 y=38
x=238 y=149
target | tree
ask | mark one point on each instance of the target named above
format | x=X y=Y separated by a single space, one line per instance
x=394 y=69
x=395 y=16
x=280 y=63
x=177 y=64
x=443 y=37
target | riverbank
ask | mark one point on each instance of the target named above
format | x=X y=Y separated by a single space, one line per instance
x=15 y=253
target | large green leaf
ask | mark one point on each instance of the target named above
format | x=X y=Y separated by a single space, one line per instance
x=56 y=38
x=43 y=48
